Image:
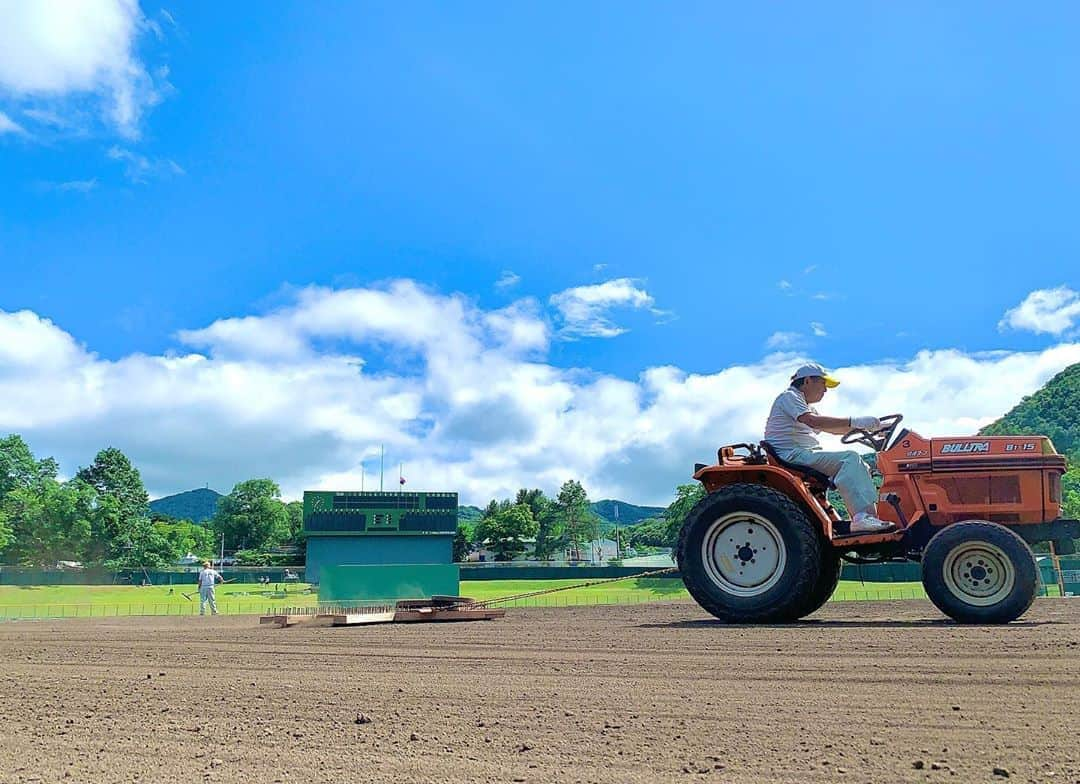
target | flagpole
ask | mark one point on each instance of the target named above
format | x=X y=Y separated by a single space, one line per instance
x=361 y=477
x=382 y=455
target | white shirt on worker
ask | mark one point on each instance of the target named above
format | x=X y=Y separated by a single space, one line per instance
x=783 y=430
x=207 y=577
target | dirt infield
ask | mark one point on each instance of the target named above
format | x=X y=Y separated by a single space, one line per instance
x=867 y=692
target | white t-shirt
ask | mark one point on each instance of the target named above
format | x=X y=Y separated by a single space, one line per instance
x=783 y=430
x=207 y=577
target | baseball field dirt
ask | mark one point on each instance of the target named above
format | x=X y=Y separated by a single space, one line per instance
x=862 y=692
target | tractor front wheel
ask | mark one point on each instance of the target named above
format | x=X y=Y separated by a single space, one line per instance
x=978 y=572
x=749 y=554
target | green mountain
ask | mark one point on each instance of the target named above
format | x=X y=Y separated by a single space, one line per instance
x=627 y=514
x=1052 y=411
x=470 y=515
x=195 y=505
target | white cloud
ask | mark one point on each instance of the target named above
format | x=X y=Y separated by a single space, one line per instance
x=466 y=398
x=784 y=340
x=784 y=285
x=818 y=329
x=808 y=270
x=56 y=53
x=140 y=169
x=584 y=309
x=1051 y=311
x=507 y=280
x=71 y=186
x=7 y=125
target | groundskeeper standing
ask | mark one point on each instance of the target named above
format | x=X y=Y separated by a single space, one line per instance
x=792 y=431
x=207 y=578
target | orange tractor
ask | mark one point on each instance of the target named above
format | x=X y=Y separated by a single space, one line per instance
x=766 y=546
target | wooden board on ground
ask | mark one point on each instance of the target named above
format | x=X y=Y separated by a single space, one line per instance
x=434 y=601
x=428 y=614
x=362 y=618
x=292 y=620
x=435 y=609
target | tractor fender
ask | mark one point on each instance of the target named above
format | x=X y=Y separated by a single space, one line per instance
x=715 y=477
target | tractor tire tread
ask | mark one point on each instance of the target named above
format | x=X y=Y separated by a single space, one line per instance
x=828 y=579
x=788 y=606
x=1018 y=601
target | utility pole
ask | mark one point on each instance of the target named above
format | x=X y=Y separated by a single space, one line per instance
x=618 y=548
x=1056 y=563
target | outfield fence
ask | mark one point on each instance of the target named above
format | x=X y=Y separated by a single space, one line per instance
x=51 y=611
x=257 y=607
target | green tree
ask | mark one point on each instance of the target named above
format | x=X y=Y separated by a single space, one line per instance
x=295 y=511
x=1070 y=492
x=686 y=498
x=184 y=536
x=651 y=532
x=19 y=468
x=461 y=544
x=504 y=531
x=549 y=530
x=49 y=522
x=7 y=534
x=494 y=507
x=577 y=520
x=113 y=476
x=546 y=517
x=252 y=516
x=1052 y=411
x=123 y=535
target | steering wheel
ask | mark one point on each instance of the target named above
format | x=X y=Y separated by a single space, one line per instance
x=878 y=440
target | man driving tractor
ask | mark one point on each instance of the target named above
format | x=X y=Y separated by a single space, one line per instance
x=791 y=430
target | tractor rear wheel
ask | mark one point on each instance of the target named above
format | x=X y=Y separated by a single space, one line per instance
x=978 y=572
x=827 y=580
x=749 y=554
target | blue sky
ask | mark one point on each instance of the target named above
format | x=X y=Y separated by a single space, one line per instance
x=708 y=188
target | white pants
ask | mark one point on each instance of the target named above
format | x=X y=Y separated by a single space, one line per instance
x=848 y=472
x=206 y=595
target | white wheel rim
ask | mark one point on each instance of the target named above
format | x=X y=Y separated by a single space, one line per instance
x=979 y=573
x=743 y=554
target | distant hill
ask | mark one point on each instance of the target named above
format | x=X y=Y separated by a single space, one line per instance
x=470 y=515
x=628 y=514
x=195 y=505
x=1052 y=411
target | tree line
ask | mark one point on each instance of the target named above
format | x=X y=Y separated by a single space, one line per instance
x=101 y=516
x=564 y=524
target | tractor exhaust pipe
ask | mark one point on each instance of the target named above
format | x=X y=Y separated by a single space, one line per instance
x=893 y=500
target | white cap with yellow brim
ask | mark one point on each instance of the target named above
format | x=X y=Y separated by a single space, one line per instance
x=812 y=369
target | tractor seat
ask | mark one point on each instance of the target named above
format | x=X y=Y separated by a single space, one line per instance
x=807 y=473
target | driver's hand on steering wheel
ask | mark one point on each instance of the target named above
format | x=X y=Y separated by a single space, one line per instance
x=868 y=423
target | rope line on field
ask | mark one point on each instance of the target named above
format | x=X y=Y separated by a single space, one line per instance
x=587 y=584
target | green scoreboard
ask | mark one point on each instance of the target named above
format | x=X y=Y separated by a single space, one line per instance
x=377 y=513
x=368 y=546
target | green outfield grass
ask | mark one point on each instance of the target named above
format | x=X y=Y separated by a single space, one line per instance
x=70 y=601
x=110 y=600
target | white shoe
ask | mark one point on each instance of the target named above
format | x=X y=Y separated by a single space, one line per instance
x=865 y=523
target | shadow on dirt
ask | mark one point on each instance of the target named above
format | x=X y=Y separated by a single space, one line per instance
x=841 y=624
x=661 y=586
